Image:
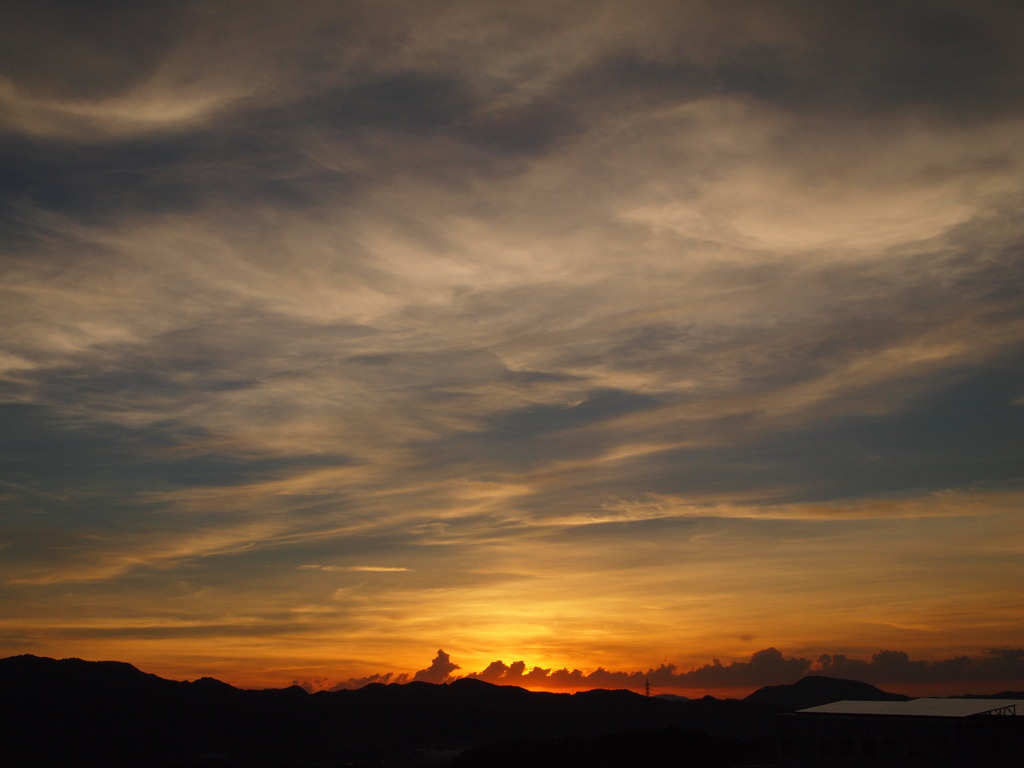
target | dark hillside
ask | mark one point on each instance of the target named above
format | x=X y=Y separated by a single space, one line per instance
x=92 y=714
x=665 y=748
x=815 y=690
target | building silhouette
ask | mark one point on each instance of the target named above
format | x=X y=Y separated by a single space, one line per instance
x=919 y=733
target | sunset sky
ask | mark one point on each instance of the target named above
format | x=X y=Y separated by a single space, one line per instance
x=616 y=337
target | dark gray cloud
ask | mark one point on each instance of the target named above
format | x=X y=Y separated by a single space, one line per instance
x=771 y=667
x=506 y=300
x=439 y=671
x=57 y=48
x=894 y=667
x=765 y=667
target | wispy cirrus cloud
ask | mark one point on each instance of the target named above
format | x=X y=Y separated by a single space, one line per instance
x=516 y=299
x=356 y=568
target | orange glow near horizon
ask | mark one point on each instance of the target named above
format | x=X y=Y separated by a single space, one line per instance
x=371 y=620
x=736 y=676
x=572 y=334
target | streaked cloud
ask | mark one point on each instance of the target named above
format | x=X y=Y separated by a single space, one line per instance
x=356 y=568
x=586 y=335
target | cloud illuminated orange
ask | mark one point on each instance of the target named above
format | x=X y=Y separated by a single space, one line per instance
x=596 y=336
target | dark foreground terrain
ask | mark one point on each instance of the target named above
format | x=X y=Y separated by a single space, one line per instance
x=109 y=714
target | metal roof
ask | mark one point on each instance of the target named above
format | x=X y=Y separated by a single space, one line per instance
x=922 y=708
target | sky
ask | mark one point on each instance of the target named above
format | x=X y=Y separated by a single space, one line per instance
x=564 y=344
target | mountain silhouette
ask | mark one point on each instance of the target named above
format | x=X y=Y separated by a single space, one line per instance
x=112 y=715
x=100 y=714
x=814 y=690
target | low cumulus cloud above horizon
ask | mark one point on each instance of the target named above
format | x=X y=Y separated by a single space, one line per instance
x=764 y=668
x=589 y=332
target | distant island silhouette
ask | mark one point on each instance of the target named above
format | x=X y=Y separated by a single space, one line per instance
x=96 y=714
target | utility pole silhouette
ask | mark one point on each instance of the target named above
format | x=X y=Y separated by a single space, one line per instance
x=647 y=687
